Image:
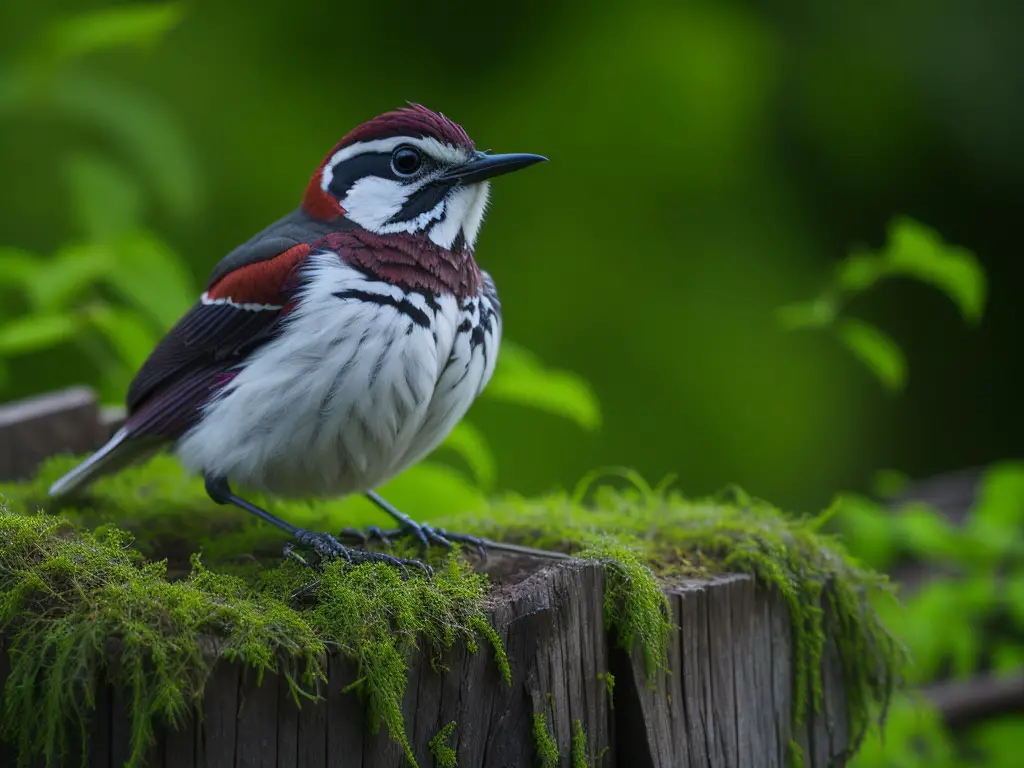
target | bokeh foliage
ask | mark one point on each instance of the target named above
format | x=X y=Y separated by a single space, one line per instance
x=710 y=161
x=715 y=165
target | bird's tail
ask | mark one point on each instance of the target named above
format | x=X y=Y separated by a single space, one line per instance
x=119 y=451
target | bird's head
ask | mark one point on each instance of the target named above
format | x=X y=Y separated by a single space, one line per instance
x=411 y=171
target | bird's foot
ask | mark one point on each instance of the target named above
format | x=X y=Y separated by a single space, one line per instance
x=329 y=548
x=424 y=533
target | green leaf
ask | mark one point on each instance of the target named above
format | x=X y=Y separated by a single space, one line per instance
x=432 y=490
x=926 y=532
x=859 y=270
x=17 y=267
x=31 y=333
x=877 y=351
x=889 y=482
x=918 y=251
x=66 y=276
x=138 y=25
x=867 y=529
x=1000 y=497
x=140 y=127
x=127 y=331
x=521 y=378
x=153 y=277
x=469 y=443
x=105 y=200
x=819 y=313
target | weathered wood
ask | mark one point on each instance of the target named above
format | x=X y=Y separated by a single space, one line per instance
x=725 y=701
x=35 y=428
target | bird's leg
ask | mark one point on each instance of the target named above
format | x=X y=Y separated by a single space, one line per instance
x=423 y=532
x=324 y=544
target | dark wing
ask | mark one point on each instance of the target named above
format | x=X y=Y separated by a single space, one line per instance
x=238 y=313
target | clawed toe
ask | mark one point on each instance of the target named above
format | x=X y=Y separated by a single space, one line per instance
x=329 y=548
x=424 y=533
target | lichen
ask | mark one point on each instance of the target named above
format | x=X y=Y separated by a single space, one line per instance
x=646 y=538
x=444 y=755
x=547 y=749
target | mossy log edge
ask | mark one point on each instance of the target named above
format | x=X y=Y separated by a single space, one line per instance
x=726 y=700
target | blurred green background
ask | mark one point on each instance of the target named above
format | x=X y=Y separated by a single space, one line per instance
x=710 y=162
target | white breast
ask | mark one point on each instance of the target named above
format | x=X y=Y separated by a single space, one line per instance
x=364 y=381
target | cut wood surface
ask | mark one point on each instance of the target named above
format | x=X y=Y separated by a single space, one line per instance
x=725 y=702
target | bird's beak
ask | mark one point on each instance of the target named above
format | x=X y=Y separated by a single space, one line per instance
x=483 y=166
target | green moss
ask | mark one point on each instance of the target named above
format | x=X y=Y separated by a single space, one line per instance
x=65 y=592
x=609 y=685
x=679 y=537
x=796 y=755
x=635 y=607
x=579 y=746
x=646 y=538
x=547 y=749
x=444 y=755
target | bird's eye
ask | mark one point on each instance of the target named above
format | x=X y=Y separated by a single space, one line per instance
x=405 y=161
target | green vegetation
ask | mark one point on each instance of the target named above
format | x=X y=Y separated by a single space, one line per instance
x=913 y=250
x=115 y=229
x=979 y=580
x=580 y=758
x=69 y=589
x=444 y=755
x=65 y=593
x=635 y=608
x=677 y=536
x=547 y=749
x=609 y=686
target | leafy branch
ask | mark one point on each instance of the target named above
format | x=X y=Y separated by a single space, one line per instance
x=913 y=250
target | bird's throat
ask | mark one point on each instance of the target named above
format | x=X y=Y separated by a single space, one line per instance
x=412 y=262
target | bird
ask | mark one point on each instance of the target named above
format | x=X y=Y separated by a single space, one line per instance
x=337 y=347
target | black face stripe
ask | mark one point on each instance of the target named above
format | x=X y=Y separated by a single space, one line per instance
x=345 y=174
x=460 y=241
x=423 y=200
x=403 y=305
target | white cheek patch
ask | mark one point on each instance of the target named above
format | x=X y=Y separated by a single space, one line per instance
x=466 y=208
x=475 y=211
x=371 y=201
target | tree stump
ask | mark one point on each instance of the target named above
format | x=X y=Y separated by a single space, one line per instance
x=725 y=702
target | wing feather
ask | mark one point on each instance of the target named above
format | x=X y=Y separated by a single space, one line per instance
x=236 y=315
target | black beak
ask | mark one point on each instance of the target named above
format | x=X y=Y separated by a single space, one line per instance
x=484 y=166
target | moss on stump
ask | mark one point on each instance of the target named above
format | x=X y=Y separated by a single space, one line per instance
x=150 y=563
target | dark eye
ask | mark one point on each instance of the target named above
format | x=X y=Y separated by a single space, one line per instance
x=405 y=161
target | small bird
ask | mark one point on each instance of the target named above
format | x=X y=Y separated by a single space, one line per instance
x=340 y=345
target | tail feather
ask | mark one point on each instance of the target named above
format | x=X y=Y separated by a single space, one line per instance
x=120 y=451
